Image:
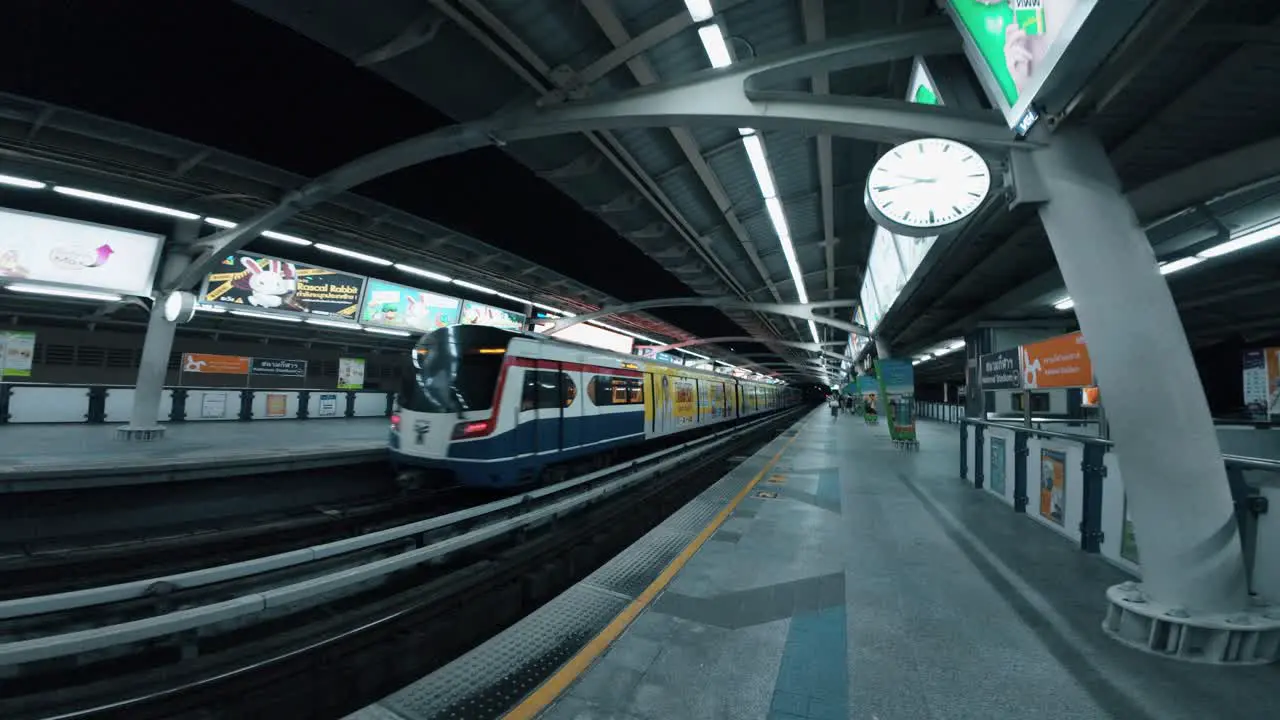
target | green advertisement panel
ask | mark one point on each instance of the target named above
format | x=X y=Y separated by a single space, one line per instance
x=898 y=386
x=1017 y=42
x=406 y=308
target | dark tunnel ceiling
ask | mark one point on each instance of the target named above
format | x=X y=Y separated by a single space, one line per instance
x=223 y=76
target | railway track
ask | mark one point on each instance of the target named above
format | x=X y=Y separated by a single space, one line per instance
x=308 y=628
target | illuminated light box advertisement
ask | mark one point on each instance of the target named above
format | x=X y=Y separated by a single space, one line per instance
x=350 y=373
x=39 y=248
x=898 y=385
x=585 y=334
x=1015 y=44
x=272 y=284
x=17 y=353
x=397 y=306
x=207 y=364
x=886 y=268
x=474 y=313
x=1059 y=362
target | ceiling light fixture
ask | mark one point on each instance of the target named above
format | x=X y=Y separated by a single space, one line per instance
x=125 y=202
x=699 y=10
x=23 y=183
x=1064 y=304
x=334 y=324
x=266 y=316
x=352 y=254
x=292 y=239
x=64 y=292
x=424 y=273
x=473 y=286
x=383 y=331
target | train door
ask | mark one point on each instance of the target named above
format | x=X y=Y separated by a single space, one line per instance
x=551 y=392
x=573 y=387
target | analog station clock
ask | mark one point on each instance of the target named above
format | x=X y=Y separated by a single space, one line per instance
x=179 y=306
x=924 y=187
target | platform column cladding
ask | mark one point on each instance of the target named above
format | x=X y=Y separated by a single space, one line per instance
x=1166 y=446
x=158 y=343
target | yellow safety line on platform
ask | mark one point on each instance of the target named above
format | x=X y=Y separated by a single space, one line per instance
x=539 y=699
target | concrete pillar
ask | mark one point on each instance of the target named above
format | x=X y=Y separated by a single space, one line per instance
x=158 y=344
x=1166 y=445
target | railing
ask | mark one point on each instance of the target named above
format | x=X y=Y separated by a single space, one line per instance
x=945 y=412
x=96 y=404
x=1079 y=492
x=429 y=540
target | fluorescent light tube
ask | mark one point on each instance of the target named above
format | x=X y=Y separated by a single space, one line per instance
x=352 y=254
x=24 y=183
x=64 y=292
x=424 y=273
x=125 y=202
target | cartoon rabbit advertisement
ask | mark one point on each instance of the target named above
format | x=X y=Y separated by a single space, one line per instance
x=274 y=284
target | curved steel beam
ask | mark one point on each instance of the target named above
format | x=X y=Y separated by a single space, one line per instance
x=731 y=97
x=811 y=347
x=802 y=311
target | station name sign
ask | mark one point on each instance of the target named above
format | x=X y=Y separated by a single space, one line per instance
x=1001 y=370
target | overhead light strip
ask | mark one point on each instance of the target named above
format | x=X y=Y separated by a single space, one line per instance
x=125 y=202
x=71 y=293
x=23 y=183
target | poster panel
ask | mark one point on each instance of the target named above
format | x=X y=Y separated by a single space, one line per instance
x=585 y=334
x=405 y=308
x=897 y=382
x=922 y=89
x=213 y=405
x=350 y=373
x=207 y=364
x=684 y=406
x=1053 y=485
x=998 y=460
x=1060 y=362
x=277 y=405
x=1273 y=380
x=1257 y=383
x=1001 y=370
x=1014 y=45
x=17 y=353
x=1090 y=397
x=273 y=367
x=41 y=248
x=272 y=284
x=474 y=313
x=327 y=405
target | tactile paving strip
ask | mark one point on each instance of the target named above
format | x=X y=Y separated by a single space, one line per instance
x=487 y=681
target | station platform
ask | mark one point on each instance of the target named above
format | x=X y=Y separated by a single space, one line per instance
x=834 y=576
x=45 y=457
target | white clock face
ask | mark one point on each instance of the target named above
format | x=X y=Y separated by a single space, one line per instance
x=927 y=184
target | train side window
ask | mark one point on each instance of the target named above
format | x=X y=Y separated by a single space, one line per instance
x=568 y=390
x=637 y=391
x=542 y=389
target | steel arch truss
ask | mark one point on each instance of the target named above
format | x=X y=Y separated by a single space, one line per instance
x=733 y=96
x=800 y=311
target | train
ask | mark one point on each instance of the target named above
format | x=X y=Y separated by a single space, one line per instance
x=496 y=408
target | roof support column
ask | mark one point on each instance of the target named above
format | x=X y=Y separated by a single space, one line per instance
x=144 y=416
x=1166 y=446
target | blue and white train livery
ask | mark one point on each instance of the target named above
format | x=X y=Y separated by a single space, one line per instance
x=497 y=408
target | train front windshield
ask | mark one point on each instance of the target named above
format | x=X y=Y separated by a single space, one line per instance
x=455 y=370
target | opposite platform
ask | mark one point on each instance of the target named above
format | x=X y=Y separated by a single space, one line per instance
x=42 y=457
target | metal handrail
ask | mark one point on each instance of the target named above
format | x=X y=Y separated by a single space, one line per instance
x=1241 y=461
x=75 y=642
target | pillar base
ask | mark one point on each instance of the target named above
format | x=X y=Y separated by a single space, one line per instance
x=137 y=434
x=1249 y=637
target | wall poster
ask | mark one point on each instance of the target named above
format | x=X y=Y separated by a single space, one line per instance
x=996 y=481
x=17 y=353
x=350 y=373
x=213 y=405
x=1053 y=485
x=328 y=405
x=277 y=405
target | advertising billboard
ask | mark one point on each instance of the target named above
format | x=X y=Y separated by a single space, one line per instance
x=886 y=268
x=474 y=313
x=870 y=305
x=207 y=364
x=406 y=308
x=1262 y=381
x=1059 y=362
x=1001 y=370
x=272 y=284
x=922 y=89
x=585 y=334
x=1013 y=45
x=350 y=373
x=40 y=248
x=17 y=353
